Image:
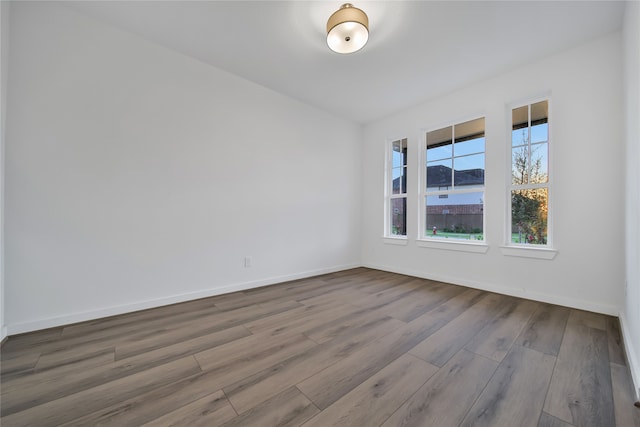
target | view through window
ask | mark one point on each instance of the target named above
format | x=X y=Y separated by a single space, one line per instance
x=453 y=197
x=529 y=190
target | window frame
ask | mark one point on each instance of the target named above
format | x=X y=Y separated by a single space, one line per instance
x=423 y=238
x=388 y=191
x=510 y=248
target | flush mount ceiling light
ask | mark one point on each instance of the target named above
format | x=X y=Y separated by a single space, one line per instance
x=347 y=29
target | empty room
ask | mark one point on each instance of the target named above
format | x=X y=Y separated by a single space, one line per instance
x=316 y=213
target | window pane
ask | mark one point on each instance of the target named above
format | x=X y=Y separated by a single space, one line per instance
x=439 y=174
x=529 y=211
x=440 y=152
x=540 y=132
x=399 y=183
x=539 y=112
x=398 y=216
x=470 y=146
x=539 y=163
x=469 y=130
x=469 y=170
x=520 y=168
x=519 y=137
x=458 y=216
x=399 y=157
x=520 y=126
x=439 y=144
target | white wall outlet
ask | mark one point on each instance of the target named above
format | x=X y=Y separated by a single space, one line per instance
x=247 y=262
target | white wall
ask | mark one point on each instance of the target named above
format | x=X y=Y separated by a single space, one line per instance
x=630 y=315
x=136 y=176
x=586 y=96
x=4 y=54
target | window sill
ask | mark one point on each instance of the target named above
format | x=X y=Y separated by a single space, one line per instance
x=452 y=245
x=400 y=241
x=528 y=252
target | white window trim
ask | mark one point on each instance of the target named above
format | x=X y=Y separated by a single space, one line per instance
x=528 y=251
x=423 y=240
x=398 y=241
x=453 y=245
x=524 y=250
x=388 y=194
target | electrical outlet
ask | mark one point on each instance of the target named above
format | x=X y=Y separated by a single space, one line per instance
x=247 y=262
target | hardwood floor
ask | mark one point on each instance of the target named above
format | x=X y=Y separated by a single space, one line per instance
x=354 y=348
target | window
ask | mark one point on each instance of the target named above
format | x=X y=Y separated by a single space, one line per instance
x=453 y=190
x=396 y=189
x=529 y=189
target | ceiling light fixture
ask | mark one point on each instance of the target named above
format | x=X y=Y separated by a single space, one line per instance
x=347 y=29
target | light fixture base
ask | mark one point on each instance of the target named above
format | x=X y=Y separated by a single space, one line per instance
x=347 y=29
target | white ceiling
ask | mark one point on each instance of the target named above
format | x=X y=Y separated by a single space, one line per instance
x=417 y=50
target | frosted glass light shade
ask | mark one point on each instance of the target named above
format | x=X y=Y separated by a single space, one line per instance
x=347 y=29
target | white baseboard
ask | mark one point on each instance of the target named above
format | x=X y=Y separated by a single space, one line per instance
x=36 y=325
x=610 y=310
x=632 y=356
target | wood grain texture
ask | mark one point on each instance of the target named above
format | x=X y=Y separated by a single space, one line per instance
x=580 y=392
x=616 y=346
x=289 y=408
x=209 y=411
x=373 y=401
x=515 y=393
x=442 y=345
x=545 y=329
x=445 y=399
x=626 y=414
x=270 y=381
x=327 y=386
x=358 y=347
x=496 y=338
x=547 y=420
x=72 y=406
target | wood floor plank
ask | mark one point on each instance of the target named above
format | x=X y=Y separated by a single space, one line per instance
x=515 y=394
x=209 y=411
x=287 y=409
x=545 y=329
x=76 y=405
x=286 y=292
x=403 y=287
x=206 y=327
x=148 y=406
x=69 y=356
x=35 y=380
x=330 y=384
x=580 y=392
x=343 y=325
x=616 y=346
x=625 y=412
x=415 y=304
x=256 y=353
x=444 y=399
x=352 y=347
x=442 y=345
x=93 y=326
x=298 y=319
x=547 y=420
x=131 y=333
x=586 y=318
x=496 y=338
x=22 y=342
x=18 y=365
x=372 y=402
x=47 y=387
x=265 y=384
